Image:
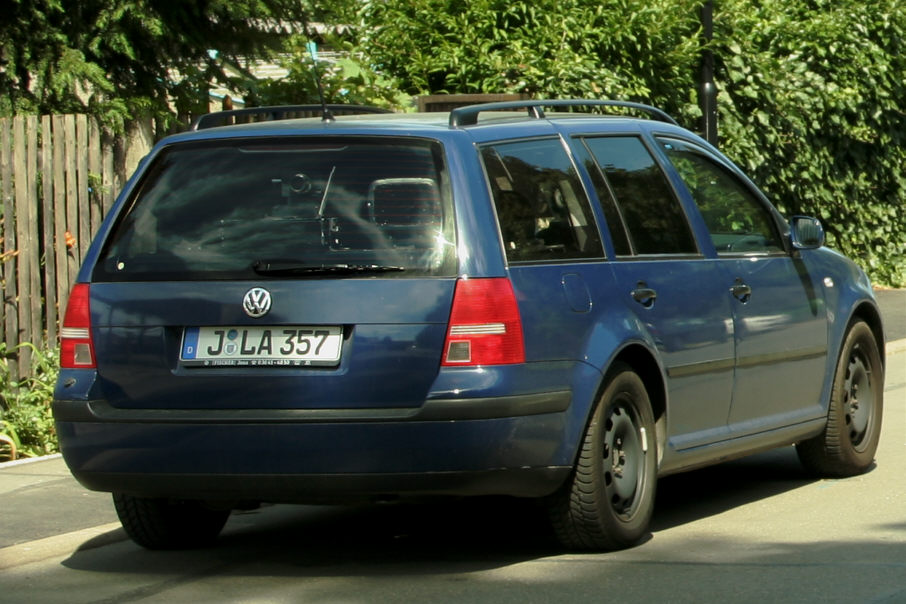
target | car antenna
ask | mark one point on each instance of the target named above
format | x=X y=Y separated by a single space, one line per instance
x=326 y=115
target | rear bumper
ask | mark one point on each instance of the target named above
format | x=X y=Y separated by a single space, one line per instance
x=432 y=410
x=500 y=445
x=328 y=489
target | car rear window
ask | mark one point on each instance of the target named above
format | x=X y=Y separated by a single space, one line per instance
x=235 y=209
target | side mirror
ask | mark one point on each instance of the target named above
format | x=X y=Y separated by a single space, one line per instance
x=806 y=233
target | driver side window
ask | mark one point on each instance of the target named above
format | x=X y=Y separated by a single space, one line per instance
x=737 y=221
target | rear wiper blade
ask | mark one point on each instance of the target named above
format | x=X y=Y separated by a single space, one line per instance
x=278 y=267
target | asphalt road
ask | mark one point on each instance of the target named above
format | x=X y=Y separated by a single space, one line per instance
x=752 y=530
x=893 y=308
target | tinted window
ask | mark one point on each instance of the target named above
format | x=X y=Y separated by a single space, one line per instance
x=648 y=211
x=543 y=210
x=737 y=221
x=227 y=209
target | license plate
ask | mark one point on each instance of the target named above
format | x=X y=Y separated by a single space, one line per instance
x=295 y=346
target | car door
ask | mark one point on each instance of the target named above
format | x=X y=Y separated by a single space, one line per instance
x=678 y=296
x=779 y=313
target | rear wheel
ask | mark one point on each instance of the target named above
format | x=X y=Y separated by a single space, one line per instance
x=850 y=439
x=608 y=501
x=167 y=524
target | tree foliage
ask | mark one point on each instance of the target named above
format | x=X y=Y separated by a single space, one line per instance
x=345 y=80
x=120 y=58
x=810 y=91
x=811 y=103
x=557 y=48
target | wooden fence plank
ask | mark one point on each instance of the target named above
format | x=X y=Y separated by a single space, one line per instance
x=72 y=201
x=110 y=190
x=21 y=171
x=10 y=263
x=82 y=186
x=33 y=302
x=95 y=178
x=59 y=213
x=47 y=228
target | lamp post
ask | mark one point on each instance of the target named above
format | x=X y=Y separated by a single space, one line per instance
x=707 y=94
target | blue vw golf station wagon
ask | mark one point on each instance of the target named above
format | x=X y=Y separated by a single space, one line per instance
x=520 y=299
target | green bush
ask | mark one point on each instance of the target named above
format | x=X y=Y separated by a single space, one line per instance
x=545 y=48
x=810 y=91
x=810 y=103
x=26 y=423
x=346 y=80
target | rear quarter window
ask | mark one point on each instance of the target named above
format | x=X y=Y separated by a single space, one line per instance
x=542 y=208
x=218 y=209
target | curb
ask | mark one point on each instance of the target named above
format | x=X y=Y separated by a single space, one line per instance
x=895 y=347
x=28 y=460
x=61 y=545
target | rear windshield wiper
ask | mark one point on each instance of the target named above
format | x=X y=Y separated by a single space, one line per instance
x=280 y=267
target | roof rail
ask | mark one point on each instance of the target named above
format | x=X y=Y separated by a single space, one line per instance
x=468 y=116
x=280 y=112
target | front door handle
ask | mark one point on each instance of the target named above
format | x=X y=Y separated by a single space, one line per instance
x=644 y=295
x=741 y=291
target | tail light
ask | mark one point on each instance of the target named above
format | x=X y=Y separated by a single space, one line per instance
x=485 y=326
x=76 y=347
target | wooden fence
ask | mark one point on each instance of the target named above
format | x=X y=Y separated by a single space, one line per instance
x=59 y=175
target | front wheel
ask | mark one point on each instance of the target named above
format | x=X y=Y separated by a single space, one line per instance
x=166 y=524
x=850 y=439
x=608 y=501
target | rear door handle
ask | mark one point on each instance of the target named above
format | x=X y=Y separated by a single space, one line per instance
x=644 y=295
x=741 y=291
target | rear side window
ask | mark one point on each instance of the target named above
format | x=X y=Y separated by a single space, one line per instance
x=542 y=208
x=235 y=209
x=647 y=213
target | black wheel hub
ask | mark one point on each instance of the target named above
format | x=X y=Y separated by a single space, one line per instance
x=624 y=460
x=858 y=398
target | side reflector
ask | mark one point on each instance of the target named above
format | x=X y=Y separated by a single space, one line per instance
x=485 y=326
x=76 y=346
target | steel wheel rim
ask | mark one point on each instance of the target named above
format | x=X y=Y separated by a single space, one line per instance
x=624 y=460
x=858 y=398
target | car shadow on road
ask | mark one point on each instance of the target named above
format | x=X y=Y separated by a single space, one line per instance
x=449 y=536
x=710 y=491
x=431 y=537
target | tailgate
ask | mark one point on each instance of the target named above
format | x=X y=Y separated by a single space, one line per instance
x=389 y=334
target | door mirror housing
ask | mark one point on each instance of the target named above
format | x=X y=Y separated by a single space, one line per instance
x=806 y=233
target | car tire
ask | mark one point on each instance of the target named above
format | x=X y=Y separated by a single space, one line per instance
x=850 y=439
x=166 y=524
x=608 y=500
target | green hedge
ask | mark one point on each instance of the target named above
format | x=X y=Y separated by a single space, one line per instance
x=810 y=92
x=26 y=420
x=812 y=104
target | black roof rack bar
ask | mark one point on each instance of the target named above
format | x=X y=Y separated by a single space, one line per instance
x=279 y=112
x=468 y=116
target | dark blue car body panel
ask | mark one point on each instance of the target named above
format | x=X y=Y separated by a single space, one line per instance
x=725 y=378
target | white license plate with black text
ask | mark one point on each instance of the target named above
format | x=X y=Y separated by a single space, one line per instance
x=247 y=346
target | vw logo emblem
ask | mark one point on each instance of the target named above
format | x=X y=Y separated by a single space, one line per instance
x=257 y=302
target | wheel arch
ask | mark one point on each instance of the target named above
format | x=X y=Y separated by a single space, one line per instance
x=869 y=313
x=644 y=363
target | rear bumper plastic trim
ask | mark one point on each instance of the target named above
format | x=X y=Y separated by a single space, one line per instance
x=431 y=410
